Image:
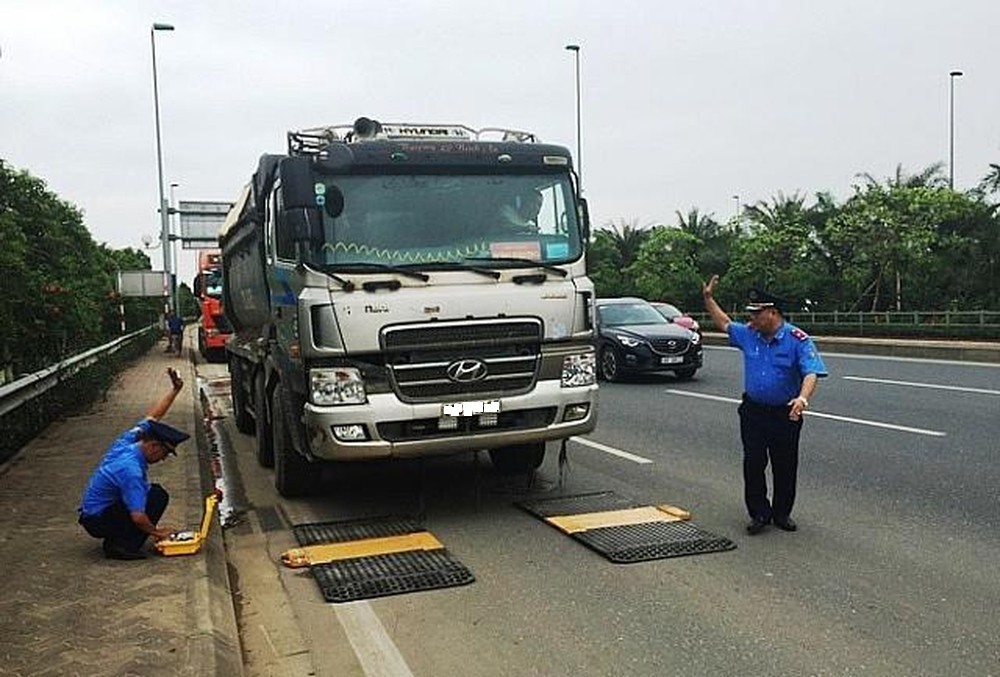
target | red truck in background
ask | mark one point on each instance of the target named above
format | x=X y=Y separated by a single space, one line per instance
x=213 y=327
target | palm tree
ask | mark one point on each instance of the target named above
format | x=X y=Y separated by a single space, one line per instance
x=702 y=226
x=931 y=176
x=627 y=237
x=991 y=182
x=782 y=211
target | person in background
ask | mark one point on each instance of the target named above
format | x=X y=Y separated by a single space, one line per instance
x=781 y=367
x=175 y=328
x=119 y=504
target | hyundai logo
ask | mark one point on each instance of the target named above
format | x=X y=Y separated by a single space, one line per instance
x=466 y=371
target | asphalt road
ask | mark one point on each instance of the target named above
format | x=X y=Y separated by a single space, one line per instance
x=892 y=572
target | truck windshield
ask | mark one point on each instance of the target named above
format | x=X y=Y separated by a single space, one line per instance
x=427 y=219
x=213 y=283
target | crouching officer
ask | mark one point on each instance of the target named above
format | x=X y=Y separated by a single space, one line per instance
x=119 y=504
x=781 y=367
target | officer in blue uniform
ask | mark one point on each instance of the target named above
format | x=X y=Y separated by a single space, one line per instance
x=781 y=367
x=119 y=504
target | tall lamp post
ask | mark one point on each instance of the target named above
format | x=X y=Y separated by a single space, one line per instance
x=951 y=127
x=164 y=211
x=579 y=153
x=174 y=226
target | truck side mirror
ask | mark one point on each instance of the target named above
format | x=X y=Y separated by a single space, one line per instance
x=297 y=190
x=583 y=213
x=300 y=219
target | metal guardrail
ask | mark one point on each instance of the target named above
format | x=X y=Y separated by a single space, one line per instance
x=917 y=324
x=26 y=388
x=916 y=318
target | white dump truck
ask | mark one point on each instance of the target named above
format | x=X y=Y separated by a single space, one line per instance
x=405 y=290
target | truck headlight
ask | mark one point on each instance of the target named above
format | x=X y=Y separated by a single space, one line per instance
x=336 y=385
x=579 y=370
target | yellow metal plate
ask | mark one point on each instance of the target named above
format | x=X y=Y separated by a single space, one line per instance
x=572 y=524
x=324 y=553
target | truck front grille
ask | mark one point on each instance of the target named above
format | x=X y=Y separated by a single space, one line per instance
x=447 y=361
x=427 y=428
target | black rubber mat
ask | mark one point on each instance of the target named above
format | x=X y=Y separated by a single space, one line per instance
x=629 y=543
x=578 y=504
x=379 y=575
x=354 y=530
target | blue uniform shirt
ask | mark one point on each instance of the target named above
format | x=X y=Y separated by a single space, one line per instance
x=121 y=476
x=773 y=370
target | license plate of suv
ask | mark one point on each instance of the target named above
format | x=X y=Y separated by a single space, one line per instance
x=671 y=360
x=460 y=409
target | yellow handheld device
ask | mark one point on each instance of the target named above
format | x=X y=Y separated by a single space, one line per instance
x=189 y=542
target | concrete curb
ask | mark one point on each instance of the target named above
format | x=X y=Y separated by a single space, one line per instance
x=214 y=641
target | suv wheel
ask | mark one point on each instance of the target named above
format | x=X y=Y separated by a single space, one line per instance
x=610 y=364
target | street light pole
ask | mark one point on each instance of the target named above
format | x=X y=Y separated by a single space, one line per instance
x=164 y=215
x=951 y=127
x=579 y=152
x=171 y=211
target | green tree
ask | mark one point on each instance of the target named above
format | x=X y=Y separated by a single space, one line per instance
x=58 y=296
x=666 y=268
x=612 y=252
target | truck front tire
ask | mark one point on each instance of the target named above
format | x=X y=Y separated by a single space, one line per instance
x=262 y=429
x=293 y=475
x=518 y=458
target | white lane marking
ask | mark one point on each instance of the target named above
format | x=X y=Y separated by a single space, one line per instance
x=845 y=419
x=375 y=650
x=960 y=389
x=610 y=450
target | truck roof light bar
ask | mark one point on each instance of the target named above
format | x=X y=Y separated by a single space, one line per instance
x=313 y=140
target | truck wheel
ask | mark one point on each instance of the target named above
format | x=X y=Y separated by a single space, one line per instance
x=610 y=366
x=293 y=475
x=518 y=458
x=242 y=417
x=265 y=448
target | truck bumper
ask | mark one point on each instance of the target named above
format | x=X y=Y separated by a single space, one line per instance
x=401 y=430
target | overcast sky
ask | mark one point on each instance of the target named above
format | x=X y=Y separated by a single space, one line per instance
x=685 y=104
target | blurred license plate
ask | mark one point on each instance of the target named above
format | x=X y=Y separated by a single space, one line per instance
x=471 y=408
x=671 y=360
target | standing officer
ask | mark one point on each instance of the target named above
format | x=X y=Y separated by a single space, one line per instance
x=780 y=369
x=119 y=504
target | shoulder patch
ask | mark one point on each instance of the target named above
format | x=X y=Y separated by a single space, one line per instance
x=799 y=334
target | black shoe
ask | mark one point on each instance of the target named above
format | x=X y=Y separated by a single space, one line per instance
x=115 y=551
x=786 y=524
x=756 y=526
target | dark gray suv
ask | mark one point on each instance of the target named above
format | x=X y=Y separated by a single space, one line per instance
x=634 y=337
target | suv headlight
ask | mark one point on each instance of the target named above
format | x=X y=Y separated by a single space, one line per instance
x=695 y=338
x=579 y=370
x=629 y=342
x=336 y=385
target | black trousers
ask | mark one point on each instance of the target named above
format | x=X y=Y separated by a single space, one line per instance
x=768 y=435
x=115 y=524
